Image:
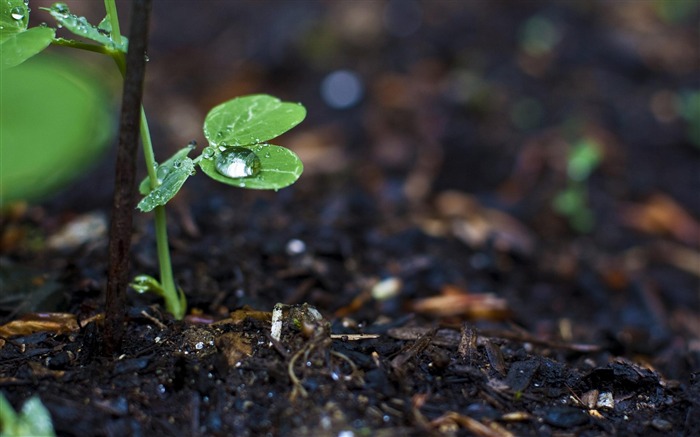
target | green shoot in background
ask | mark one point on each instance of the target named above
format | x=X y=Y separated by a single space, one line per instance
x=237 y=131
x=33 y=420
x=572 y=202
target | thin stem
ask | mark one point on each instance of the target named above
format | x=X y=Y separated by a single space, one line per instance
x=111 y=8
x=172 y=301
x=148 y=154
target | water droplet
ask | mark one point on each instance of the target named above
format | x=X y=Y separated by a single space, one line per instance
x=161 y=173
x=192 y=144
x=208 y=152
x=238 y=162
x=61 y=8
x=177 y=164
x=267 y=154
x=146 y=58
x=17 y=13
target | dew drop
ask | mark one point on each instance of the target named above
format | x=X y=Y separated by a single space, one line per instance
x=17 y=13
x=61 y=8
x=161 y=173
x=192 y=144
x=208 y=152
x=177 y=164
x=238 y=162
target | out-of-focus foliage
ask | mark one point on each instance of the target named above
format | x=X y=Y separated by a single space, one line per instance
x=54 y=122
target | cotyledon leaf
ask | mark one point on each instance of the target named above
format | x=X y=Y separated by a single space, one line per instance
x=279 y=168
x=170 y=185
x=80 y=26
x=165 y=168
x=251 y=120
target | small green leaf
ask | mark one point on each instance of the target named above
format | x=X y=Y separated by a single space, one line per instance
x=279 y=168
x=18 y=47
x=251 y=120
x=17 y=44
x=147 y=284
x=173 y=177
x=14 y=16
x=165 y=168
x=80 y=26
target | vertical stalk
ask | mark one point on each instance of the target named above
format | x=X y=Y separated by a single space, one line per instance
x=167 y=281
x=125 y=176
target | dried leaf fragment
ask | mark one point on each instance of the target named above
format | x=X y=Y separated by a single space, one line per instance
x=60 y=323
x=454 y=301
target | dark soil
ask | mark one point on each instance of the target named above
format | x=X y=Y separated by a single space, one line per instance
x=423 y=222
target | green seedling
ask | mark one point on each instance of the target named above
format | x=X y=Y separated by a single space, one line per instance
x=572 y=202
x=237 y=131
x=33 y=420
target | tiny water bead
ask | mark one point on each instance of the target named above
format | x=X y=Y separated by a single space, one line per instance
x=208 y=152
x=238 y=162
x=61 y=8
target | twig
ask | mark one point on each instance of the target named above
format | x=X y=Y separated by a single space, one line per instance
x=125 y=178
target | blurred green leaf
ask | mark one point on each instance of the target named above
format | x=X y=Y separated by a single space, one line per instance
x=279 y=168
x=251 y=120
x=55 y=121
x=33 y=420
x=584 y=157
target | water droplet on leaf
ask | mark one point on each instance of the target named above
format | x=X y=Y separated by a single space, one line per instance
x=17 y=13
x=61 y=8
x=208 y=152
x=238 y=162
x=177 y=164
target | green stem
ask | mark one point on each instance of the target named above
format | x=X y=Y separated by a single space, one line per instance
x=111 y=8
x=172 y=297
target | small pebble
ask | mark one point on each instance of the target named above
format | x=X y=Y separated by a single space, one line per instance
x=661 y=424
x=565 y=417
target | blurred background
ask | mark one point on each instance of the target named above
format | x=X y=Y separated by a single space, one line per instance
x=411 y=98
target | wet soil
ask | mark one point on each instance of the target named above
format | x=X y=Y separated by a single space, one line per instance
x=454 y=298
